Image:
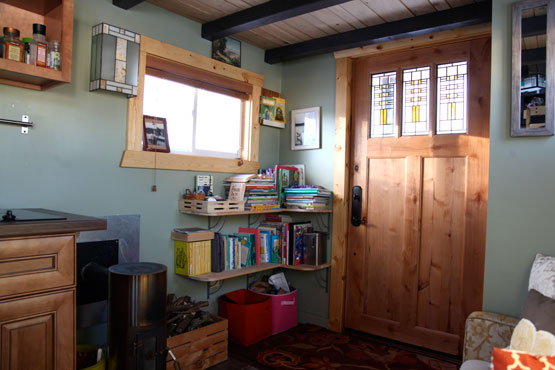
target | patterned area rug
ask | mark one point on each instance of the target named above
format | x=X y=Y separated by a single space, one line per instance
x=313 y=347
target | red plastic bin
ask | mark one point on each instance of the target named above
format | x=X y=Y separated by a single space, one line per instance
x=284 y=311
x=249 y=316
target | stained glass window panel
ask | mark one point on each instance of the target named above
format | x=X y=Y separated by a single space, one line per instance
x=416 y=101
x=383 y=106
x=452 y=98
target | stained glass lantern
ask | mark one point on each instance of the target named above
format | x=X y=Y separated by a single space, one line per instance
x=115 y=60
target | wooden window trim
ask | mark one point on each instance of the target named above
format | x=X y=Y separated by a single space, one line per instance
x=247 y=84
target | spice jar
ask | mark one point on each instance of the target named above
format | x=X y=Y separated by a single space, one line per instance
x=29 y=51
x=39 y=35
x=13 y=47
x=54 y=55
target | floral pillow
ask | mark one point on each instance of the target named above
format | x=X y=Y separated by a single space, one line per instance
x=505 y=359
x=542 y=275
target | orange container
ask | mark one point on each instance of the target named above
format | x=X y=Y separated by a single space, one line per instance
x=249 y=316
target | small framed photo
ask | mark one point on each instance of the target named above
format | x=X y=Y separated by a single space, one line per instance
x=305 y=128
x=155 y=134
x=227 y=50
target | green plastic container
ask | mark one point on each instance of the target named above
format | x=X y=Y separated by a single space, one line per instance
x=86 y=358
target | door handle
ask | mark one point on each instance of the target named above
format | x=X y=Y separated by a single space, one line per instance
x=356 y=206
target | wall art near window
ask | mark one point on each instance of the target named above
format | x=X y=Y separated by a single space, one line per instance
x=227 y=50
x=305 y=128
x=155 y=134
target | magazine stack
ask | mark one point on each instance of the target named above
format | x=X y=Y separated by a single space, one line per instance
x=307 y=197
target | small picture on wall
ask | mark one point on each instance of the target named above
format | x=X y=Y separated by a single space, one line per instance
x=155 y=134
x=227 y=50
x=305 y=128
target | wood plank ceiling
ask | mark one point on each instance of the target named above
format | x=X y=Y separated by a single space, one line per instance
x=337 y=19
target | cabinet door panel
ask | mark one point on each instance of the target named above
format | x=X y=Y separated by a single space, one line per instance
x=33 y=264
x=38 y=332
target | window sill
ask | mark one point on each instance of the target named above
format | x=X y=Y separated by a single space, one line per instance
x=169 y=161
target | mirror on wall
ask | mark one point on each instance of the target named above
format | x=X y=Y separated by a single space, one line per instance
x=533 y=74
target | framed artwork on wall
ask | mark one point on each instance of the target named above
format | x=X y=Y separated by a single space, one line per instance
x=155 y=134
x=305 y=128
x=227 y=50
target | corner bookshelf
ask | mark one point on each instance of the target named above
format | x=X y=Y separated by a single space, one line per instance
x=212 y=278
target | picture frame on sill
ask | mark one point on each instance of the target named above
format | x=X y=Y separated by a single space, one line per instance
x=155 y=134
x=305 y=129
x=227 y=50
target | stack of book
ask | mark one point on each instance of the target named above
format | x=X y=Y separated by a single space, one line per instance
x=192 y=251
x=259 y=191
x=309 y=197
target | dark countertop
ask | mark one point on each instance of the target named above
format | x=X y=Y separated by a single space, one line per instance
x=72 y=223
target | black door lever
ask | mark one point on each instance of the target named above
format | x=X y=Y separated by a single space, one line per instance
x=356 y=206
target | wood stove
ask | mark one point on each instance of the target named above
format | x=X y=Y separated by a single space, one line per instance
x=137 y=316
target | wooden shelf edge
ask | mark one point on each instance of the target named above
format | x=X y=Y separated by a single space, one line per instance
x=238 y=213
x=229 y=274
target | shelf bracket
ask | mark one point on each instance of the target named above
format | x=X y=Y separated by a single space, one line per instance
x=210 y=285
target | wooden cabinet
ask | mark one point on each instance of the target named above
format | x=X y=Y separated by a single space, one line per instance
x=38 y=332
x=57 y=16
x=37 y=291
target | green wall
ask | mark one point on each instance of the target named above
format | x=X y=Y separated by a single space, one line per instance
x=70 y=160
x=522 y=173
x=310 y=82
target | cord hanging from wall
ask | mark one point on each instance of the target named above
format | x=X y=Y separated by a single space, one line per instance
x=153 y=189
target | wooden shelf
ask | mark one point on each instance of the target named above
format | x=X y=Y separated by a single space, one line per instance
x=237 y=213
x=57 y=15
x=229 y=274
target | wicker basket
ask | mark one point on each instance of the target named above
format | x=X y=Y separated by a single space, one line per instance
x=193 y=196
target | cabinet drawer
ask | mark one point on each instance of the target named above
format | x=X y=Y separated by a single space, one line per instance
x=34 y=264
x=37 y=332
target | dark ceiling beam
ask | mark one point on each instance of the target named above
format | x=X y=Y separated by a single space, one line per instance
x=126 y=4
x=405 y=28
x=261 y=15
x=534 y=26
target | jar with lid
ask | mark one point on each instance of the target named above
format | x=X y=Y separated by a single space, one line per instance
x=39 y=35
x=13 y=47
x=30 y=51
x=54 y=55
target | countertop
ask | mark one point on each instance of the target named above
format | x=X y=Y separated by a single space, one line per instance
x=72 y=223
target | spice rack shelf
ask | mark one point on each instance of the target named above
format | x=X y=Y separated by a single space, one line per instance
x=57 y=15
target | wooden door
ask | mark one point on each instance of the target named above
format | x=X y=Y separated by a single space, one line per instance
x=415 y=264
x=38 y=332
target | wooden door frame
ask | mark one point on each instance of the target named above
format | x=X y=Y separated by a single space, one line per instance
x=342 y=151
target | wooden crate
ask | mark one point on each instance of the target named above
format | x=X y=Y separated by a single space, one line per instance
x=203 y=206
x=201 y=348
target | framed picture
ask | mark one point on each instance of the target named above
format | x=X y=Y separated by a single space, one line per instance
x=227 y=50
x=155 y=134
x=305 y=128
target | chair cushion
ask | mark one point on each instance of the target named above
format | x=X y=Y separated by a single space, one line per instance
x=542 y=275
x=474 y=365
x=504 y=359
x=540 y=310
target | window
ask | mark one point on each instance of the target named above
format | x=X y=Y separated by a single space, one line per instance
x=211 y=109
x=200 y=122
x=450 y=86
x=416 y=99
x=384 y=104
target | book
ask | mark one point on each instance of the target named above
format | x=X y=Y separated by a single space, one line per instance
x=241 y=177
x=192 y=258
x=296 y=241
x=286 y=177
x=247 y=244
x=256 y=246
x=236 y=191
x=192 y=234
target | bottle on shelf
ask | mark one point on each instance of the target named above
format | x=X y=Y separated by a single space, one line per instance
x=30 y=50
x=39 y=35
x=54 y=55
x=13 y=47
